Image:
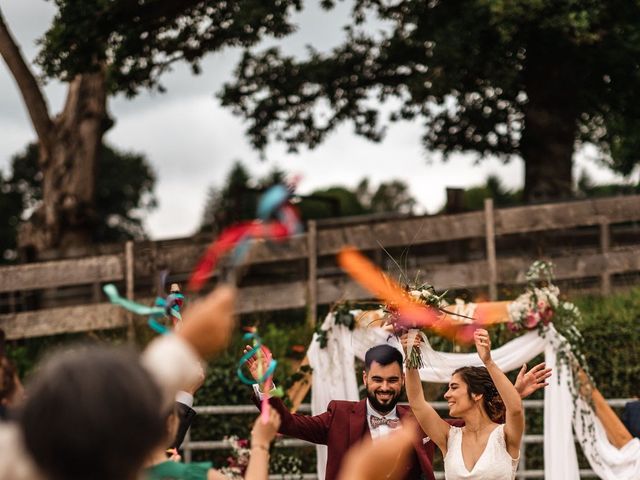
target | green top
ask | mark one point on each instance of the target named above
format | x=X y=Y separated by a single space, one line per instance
x=178 y=471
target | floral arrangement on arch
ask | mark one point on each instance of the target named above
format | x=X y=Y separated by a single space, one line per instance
x=540 y=303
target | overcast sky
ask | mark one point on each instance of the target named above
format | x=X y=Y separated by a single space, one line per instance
x=191 y=141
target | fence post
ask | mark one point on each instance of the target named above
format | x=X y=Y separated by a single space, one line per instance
x=312 y=287
x=605 y=244
x=129 y=270
x=490 y=235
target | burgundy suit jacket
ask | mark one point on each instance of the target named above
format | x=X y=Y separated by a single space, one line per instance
x=345 y=424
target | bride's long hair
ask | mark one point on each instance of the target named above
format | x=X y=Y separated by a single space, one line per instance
x=479 y=382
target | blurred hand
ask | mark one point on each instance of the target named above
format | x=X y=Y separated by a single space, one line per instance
x=483 y=344
x=534 y=379
x=195 y=386
x=209 y=323
x=386 y=458
x=174 y=456
x=252 y=363
x=264 y=433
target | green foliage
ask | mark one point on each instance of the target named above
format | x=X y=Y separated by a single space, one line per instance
x=138 y=41
x=330 y=202
x=124 y=192
x=493 y=78
x=233 y=202
x=237 y=199
x=610 y=328
x=474 y=197
x=10 y=211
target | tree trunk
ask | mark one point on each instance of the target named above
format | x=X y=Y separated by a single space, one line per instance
x=68 y=164
x=68 y=145
x=550 y=123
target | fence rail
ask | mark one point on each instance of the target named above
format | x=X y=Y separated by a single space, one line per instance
x=68 y=297
x=190 y=446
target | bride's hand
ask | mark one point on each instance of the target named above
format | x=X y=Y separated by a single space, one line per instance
x=404 y=341
x=483 y=344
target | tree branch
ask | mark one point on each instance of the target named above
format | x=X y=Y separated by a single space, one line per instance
x=29 y=88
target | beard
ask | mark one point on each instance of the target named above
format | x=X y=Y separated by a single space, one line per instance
x=385 y=406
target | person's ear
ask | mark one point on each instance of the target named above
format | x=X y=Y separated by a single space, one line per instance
x=364 y=377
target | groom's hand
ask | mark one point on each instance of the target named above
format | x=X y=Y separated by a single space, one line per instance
x=534 y=379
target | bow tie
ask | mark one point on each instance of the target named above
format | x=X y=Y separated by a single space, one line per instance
x=389 y=422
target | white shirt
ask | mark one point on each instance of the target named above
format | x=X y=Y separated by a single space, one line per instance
x=381 y=430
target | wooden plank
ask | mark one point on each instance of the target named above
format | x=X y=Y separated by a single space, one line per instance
x=567 y=214
x=620 y=260
x=605 y=245
x=62 y=320
x=403 y=232
x=130 y=287
x=277 y=296
x=61 y=273
x=312 y=274
x=490 y=239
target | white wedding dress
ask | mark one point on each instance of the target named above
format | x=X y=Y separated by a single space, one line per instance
x=495 y=463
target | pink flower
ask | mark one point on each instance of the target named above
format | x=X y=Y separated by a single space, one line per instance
x=514 y=327
x=547 y=315
x=532 y=320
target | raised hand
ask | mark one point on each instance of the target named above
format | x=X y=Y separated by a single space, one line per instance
x=263 y=433
x=533 y=380
x=209 y=323
x=252 y=363
x=483 y=344
x=404 y=341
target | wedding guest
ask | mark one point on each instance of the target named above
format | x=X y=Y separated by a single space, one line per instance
x=98 y=413
x=262 y=434
x=631 y=417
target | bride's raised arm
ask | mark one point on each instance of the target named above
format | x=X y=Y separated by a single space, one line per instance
x=428 y=418
x=514 y=424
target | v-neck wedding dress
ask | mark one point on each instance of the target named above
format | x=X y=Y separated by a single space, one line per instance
x=495 y=463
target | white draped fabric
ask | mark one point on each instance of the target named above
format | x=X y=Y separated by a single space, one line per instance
x=334 y=379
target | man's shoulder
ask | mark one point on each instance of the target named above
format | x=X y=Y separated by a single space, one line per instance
x=347 y=407
x=345 y=403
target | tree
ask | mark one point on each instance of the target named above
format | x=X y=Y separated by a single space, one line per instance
x=233 y=202
x=238 y=198
x=124 y=190
x=101 y=48
x=498 y=77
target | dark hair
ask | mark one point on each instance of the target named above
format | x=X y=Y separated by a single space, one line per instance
x=479 y=382
x=92 y=413
x=7 y=372
x=382 y=354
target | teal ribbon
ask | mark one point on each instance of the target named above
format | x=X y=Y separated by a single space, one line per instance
x=245 y=358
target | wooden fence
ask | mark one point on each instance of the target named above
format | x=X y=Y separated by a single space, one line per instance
x=593 y=241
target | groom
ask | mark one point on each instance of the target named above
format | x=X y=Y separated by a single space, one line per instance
x=346 y=423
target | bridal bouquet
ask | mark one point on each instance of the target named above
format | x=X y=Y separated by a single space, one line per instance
x=426 y=295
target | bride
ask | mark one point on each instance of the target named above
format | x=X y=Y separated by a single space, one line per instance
x=488 y=446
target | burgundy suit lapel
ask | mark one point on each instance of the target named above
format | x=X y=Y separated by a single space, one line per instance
x=357 y=421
